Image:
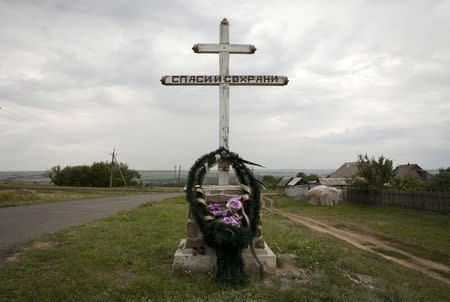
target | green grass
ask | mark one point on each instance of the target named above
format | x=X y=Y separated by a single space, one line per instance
x=128 y=256
x=391 y=253
x=424 y=234
x=443 y=274
x=12 y=195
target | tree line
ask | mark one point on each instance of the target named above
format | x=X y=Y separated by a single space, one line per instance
x=96 y=175
x=270 y=181
x=377 y=174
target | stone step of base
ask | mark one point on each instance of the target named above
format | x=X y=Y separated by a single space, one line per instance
x=190 y=261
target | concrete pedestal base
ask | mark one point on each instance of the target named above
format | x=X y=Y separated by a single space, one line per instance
x=186 y=260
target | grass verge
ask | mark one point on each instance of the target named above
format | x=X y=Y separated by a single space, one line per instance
x=128 y=256
x=23 y=194
x=423 y=234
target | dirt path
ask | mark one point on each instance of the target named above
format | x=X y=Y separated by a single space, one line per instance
x=21 y=224
x=367 y=243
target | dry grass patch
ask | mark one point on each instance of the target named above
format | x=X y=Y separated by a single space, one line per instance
x=43 y=244
x=13 y=257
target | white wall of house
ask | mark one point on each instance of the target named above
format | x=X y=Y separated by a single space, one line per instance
x=297 y=192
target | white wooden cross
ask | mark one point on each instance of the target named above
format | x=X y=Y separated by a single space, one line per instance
x=224 y=80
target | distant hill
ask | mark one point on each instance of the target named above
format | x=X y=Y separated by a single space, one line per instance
x=25 y=176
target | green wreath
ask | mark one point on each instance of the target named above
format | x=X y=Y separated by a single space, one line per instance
x=228 y=240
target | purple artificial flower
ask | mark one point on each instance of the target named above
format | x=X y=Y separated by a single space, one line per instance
x=213 y=207
x=234 y=204
x=231 y=220
x=220 y=213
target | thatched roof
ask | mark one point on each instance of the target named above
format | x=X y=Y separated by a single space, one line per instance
x=411 y=170
x=347 y=170
x=333 y=181
x=284 y=181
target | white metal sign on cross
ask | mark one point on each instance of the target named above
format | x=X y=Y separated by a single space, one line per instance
x=224 y=80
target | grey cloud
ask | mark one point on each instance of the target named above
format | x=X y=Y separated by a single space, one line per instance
x=365 y=77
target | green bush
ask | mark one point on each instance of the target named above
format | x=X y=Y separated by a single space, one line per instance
x=410 y=184
x=438 y=183
x=270 y=182
x=96 y=175
x=441 y=181
x=373 y=174
x=308 y=177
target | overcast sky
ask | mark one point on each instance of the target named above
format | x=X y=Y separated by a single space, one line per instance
x=78 y=78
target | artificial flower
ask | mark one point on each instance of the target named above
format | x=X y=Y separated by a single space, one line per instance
x=213 y=207
x=231 y=220
x=234 y=204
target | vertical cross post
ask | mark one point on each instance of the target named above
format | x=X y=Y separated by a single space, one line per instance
x=224 y=96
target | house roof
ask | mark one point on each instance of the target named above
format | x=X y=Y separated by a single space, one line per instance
x=347 y=170
x=297 y=181
x=411 y=170
x=284 y=181
x=337 y=181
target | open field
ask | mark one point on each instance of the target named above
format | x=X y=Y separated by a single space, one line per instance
x=157 y=177
x=18 y=194
x=28 y=176
x=423 y=234
x=128 y=256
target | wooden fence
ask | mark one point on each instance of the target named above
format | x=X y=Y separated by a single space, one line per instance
x=431 y=201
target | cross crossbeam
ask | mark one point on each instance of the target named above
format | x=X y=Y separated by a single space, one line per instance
x=230 y=48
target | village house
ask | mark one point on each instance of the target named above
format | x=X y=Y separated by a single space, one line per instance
x=293 y=186
x=281 y=186
x=338 y=179
x=347 y=170
x=336 y=182
x=411 y=170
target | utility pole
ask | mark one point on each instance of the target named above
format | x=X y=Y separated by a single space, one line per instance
x=179 y=172
x=114 y=162
x=113 y=155
x=120 y=171
x=175 y=176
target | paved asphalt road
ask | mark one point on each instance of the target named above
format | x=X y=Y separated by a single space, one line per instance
x=21 y=224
